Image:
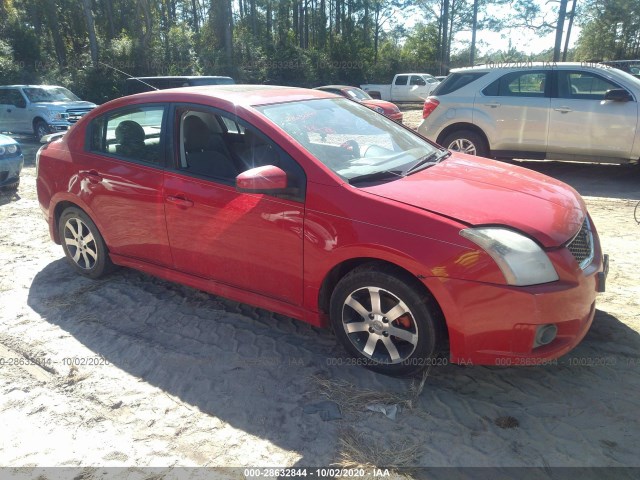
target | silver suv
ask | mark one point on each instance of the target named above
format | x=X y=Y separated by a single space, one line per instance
x=556 y=111
x=39 y=109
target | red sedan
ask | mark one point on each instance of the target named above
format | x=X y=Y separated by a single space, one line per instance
x=315 y=207
x=356 y=94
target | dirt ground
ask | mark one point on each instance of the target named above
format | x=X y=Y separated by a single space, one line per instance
x=133 y=371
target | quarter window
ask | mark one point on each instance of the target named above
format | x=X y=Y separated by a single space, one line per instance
x=583 y=85
x=134 y=134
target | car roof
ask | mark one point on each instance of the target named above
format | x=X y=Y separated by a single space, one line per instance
x=246 y=95
x=32 y=86
x=491 y=66
x=178 y=77
x=338 y=87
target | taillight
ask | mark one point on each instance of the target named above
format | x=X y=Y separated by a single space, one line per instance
x=430 y=105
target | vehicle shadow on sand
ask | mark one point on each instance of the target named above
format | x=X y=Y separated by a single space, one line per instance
x=591 y=179
x=257 y=371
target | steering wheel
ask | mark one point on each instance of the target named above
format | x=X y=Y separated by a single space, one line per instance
x=352 y=147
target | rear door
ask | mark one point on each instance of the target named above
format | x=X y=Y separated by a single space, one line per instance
x=121 y=179
x=582 y=123
x=14 y=115
x=514 y=112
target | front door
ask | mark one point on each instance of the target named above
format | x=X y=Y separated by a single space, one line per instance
x=248 y=241
x=583 y=123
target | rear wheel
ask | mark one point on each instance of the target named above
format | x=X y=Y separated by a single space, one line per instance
x=466 y=141
x=83 y=245
x=384 y=322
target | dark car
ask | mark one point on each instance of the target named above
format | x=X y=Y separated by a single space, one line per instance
x=356 y=94
x=148 y=84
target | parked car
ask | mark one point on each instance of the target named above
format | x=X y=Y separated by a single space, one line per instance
x=316 y=207
x=440 y=77
x=629 y=66
x=406 y=87
x=148 y=84
x=560 y=111
x=39 y=109
x=388 y=109
x=11 y=163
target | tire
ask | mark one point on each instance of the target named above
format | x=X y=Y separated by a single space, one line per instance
x=40 y=129
x=466 y=141
x=83 y=245
x=366 y=330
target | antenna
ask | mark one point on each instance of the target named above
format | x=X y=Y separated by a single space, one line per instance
x=125 y=73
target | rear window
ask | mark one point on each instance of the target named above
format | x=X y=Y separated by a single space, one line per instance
x=456 y=81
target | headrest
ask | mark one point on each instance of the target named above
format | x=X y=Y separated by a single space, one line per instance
x=129 y=132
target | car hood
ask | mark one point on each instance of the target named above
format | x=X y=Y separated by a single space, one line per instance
x=379 y=103
x=67 y=105
x=5 y=140
x=478 y=191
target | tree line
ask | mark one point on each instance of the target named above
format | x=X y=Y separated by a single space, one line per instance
x=289 y=42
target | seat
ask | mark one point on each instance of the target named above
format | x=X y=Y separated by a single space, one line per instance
x=205 y=151
x=130 y=139
x=254 y=152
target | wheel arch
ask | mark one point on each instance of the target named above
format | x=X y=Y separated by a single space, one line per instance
x=462 y=126
x=60 y=207
x=342 y=269
x=37 y=119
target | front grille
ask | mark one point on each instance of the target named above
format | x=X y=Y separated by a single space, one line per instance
x=3 y=176
x=76 y=114
x=581 y=246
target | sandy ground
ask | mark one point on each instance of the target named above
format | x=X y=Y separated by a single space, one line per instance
x=134 y=371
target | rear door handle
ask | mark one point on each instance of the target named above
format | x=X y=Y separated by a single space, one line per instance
x=563 y=109
x=93 y=176
x=492 y=105
x=179 y=200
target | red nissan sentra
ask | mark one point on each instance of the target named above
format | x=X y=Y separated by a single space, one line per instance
x=318 y=208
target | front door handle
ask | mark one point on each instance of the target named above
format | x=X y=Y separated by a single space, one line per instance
x=492 y=105
x=180 y=200
x=563 y=109
x=93 y=176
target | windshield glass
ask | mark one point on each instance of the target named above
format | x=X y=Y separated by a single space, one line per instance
x=350 y=139
x=49 y=94
x=358 y=94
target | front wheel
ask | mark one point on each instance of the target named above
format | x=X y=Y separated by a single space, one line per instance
x=466 y=141
x=83 y=245
x=385 y=323
x=40 y=129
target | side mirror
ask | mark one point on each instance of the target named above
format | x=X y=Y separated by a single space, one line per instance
x=618 y=95
x=266 y=179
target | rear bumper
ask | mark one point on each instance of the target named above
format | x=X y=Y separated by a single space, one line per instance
x=496 y=324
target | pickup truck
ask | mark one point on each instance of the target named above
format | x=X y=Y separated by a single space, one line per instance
x=406 y=87
x=39 y=109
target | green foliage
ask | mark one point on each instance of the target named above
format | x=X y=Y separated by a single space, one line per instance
x=289 y=42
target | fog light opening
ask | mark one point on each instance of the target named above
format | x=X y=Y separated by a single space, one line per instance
x=545 y=334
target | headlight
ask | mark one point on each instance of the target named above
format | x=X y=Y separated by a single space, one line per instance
x=59 y=115
x=11 y=149
x=521 y=260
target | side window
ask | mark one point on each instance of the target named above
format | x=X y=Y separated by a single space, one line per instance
x=455 y=81
x=134 y=134
x=402 y=79
x=16 y=98
x=417 y=80
x=518 y=84
x=219 y=147
x=583 y=85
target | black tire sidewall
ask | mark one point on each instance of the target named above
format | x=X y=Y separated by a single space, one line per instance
x=103 y=265
x=428 y=332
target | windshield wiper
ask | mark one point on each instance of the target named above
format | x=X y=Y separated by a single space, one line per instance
x=372 y=177
x=428 y=161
